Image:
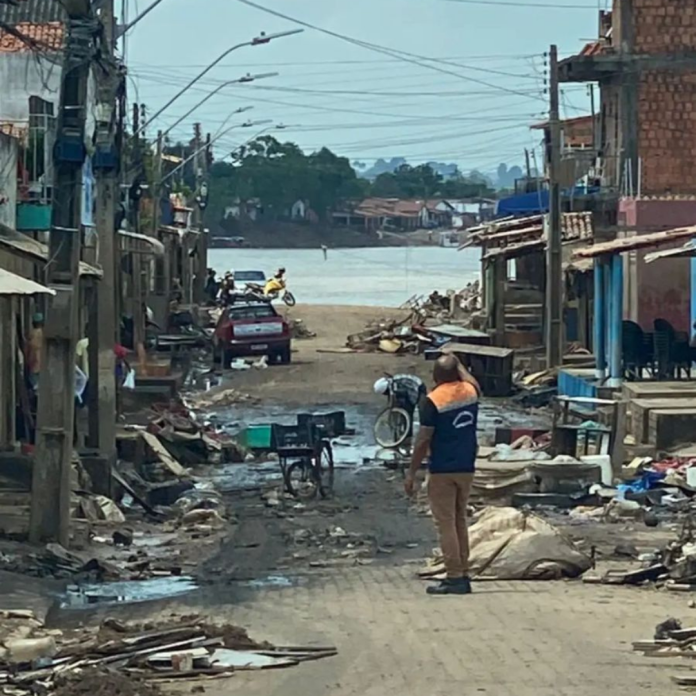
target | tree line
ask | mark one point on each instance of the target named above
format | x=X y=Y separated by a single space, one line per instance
x=277 y=174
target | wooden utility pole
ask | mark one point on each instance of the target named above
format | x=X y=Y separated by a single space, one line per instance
x=50 y=501
x=554 y=259
x=103 y=320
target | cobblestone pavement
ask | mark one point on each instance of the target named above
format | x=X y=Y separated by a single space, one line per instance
x=509 y=639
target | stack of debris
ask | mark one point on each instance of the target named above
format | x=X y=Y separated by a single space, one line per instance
x=34 y=660
x=671 y=639
x=387 y=335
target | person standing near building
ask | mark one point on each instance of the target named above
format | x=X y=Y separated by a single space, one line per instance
x=448 y=422
x=34 y=348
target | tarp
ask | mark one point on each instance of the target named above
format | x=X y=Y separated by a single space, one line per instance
x=534 y=203
x=508 y=544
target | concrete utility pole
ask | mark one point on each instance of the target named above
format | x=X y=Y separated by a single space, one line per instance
x=201 y=202
x=50 y=500
x=554 y=259
x=103 y=320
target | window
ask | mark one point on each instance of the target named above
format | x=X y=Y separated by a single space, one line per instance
x=260 y=311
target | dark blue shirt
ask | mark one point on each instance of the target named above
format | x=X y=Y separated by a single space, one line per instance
x=451 y=409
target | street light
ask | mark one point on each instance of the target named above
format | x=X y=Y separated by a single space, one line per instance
x=258 y=41
x=246 y=124
x=240 y=80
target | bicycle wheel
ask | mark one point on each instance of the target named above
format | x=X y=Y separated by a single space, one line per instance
x=301 y=480
x=392 y=427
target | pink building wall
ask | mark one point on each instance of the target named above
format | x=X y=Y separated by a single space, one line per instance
x=661 y=289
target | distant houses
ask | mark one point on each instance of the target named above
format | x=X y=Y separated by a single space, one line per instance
x=399 y=215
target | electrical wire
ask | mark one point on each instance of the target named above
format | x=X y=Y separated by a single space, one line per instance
x=403 y=55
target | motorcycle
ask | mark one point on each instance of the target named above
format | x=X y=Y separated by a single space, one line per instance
x=259 y=292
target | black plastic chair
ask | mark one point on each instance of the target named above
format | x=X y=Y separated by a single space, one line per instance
x=637 y=351
x=672 y=351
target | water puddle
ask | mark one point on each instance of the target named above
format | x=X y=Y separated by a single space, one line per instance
x=126 y=592
x=269 y=581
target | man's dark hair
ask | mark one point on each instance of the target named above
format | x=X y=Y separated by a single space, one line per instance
x=446 y=369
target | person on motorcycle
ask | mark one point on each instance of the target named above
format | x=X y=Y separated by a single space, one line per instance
x=226 y=289
x=407 y=390
x=276 y=283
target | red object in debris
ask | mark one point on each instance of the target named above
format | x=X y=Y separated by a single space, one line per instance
x=27 y=448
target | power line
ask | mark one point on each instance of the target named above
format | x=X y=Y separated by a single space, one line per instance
x=403 y=55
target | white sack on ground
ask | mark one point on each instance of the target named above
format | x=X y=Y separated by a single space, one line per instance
x=508 y=544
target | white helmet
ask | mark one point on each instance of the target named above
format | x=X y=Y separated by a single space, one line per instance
x=381 y=386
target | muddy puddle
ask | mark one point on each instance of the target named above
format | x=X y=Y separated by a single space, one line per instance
x=89 y=595
x=352 y=453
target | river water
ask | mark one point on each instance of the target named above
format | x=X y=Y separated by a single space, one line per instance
x=380 y=277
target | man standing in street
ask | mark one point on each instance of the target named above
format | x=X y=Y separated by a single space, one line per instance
x=448 y=429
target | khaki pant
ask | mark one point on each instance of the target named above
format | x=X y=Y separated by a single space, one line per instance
x=449 y=495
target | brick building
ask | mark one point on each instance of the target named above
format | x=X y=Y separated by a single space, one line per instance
x=645 y=64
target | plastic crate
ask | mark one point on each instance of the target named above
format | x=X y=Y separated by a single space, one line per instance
x=328 y=424
x=287 y=436
x=257 y=437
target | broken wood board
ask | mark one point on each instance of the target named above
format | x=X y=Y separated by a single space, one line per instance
x=163 y=455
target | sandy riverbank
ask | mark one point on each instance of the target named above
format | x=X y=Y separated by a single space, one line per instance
x=318 y=377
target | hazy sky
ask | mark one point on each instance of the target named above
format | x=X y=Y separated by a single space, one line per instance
x=359 y=102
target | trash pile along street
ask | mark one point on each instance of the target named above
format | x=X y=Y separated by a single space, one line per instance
x=410 y=335
x=34 y=659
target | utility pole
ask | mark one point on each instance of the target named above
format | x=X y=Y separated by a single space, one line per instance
x=50 y=500
x=201 y=203
x=103 y=319
x=554 y=260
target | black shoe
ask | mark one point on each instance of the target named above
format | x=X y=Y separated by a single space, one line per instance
x=460 y=586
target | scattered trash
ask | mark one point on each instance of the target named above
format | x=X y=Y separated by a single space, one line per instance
x=125 y=660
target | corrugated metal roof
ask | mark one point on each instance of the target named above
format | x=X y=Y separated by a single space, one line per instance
x=155 y=245
x=26 y=246
x=38 y=11
x=13 y=284
x=686 y=251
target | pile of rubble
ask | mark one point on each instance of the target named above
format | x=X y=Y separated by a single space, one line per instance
x=411 y=334
x=128 y=660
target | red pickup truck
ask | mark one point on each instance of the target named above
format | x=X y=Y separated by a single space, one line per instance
x=252 y=328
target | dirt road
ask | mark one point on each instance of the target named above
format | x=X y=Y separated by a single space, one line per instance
x=317 y=375
x=342 y=572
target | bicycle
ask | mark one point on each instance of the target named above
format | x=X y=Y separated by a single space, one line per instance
x=313 y=456
x=394 y=424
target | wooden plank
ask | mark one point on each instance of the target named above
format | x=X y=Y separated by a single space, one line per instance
x=641 y=408
x=474 y=349
x=163 y=455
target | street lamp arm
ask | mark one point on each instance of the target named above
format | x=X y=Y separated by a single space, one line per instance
x=257 y=41
x=200 y=149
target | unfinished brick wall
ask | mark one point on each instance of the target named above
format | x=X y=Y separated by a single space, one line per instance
x=666 y=99
x=664 y=26
x=667 y=132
